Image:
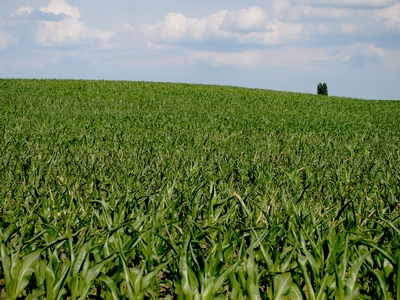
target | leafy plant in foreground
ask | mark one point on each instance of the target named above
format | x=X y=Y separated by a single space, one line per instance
x=138 y=190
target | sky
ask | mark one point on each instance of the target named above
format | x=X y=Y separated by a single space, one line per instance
x=287 y=45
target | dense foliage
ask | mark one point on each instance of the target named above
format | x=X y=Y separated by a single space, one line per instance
x=157 y=190
x=322 y=89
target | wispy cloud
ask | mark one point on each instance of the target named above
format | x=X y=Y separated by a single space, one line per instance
x=360 y=54
x=245 y=59
x=23 y=10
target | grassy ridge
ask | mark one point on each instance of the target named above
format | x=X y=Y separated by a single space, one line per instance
x=160 y=190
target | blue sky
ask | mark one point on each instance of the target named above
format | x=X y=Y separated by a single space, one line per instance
x=352 y=45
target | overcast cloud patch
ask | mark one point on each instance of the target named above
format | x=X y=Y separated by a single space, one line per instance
x=245 y=59
x=358 y=55
x=244 y=27
x=350 y=3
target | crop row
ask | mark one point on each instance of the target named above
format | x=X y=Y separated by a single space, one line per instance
x=152 y=190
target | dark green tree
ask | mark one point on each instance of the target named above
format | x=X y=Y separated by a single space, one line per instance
x=322 y=89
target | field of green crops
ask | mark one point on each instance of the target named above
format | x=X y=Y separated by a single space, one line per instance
x=137 y=190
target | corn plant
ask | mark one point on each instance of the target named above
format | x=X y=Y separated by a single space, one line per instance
x=140 y=190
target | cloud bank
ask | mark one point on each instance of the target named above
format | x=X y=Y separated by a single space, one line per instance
x=305 y=36
x=251 y=26
x=347 y=30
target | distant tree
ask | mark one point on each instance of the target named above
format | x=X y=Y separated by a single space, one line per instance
x=322 y=89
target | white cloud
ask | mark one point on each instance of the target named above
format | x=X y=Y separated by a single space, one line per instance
x=177 y=27
x=331 y=23
x=360 y=54
x=22 y=10
x=308 y=13
x=104 y=36
x=322 y=12
x=336 y=16
x=246 y=26
x=60 y=7
x=64 y=31
x=69 y=30
x=391 y=16
x=253 y=18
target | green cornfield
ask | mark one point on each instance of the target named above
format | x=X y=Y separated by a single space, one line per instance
x=139 y=190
